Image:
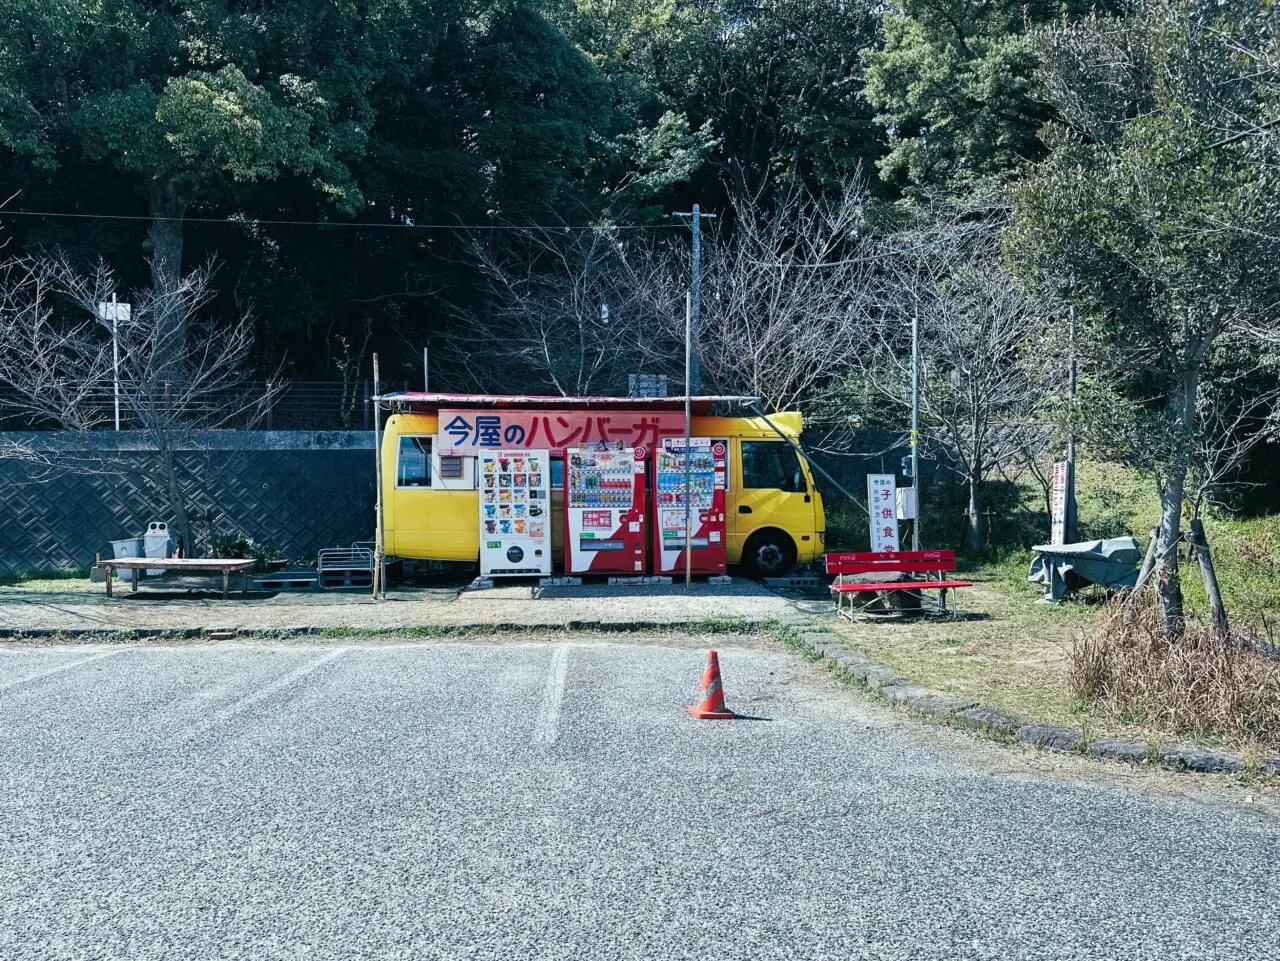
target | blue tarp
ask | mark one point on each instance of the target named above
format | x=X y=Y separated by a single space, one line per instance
x=1111 y=563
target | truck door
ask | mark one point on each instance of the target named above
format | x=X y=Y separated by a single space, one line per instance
x=774 y=507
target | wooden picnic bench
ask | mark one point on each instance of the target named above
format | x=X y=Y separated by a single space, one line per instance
x=893 y=563
x=227 y=565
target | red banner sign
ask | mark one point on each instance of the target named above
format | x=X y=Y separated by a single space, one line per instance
x=469 y=431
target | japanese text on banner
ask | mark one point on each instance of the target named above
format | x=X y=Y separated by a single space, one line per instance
x=469 y=431
x=882 y=506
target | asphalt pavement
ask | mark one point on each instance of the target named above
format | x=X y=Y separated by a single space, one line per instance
x=554 y=800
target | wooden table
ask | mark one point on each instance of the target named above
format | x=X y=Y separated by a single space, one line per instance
x=227 y=565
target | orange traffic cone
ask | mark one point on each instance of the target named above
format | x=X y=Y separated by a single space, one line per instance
x=712 y=706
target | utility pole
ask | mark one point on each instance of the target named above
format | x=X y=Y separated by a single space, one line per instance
x=426 y=376
x=694 y=377
x=915 y=425
x=688 y=439
x=1069 y=516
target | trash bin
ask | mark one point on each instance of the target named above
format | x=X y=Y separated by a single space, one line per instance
x=128 y=547
x=156 y=543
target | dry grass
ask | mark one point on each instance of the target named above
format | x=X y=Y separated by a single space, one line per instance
x=1195 y=683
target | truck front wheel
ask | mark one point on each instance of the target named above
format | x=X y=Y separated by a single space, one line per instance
x=769 y=553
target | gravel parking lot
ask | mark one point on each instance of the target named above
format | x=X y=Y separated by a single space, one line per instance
x=543 y=799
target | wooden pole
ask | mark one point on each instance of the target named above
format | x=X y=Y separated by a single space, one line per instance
x=379 y=570
x=1148 y=564
x=1201 y=544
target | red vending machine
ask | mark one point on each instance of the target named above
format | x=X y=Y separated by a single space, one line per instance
x=706 y=483
x=604 y=511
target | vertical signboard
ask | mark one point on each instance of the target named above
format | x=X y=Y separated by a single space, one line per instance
x=1058 y=525
x=882 y=506
x=515 y=513
x=708 y=460
x=604 y=510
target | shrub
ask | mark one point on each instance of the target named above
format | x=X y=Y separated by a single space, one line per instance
x=1194 y=682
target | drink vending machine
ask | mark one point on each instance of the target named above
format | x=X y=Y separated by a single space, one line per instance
x=515 y=513
x=604 y=511
x=707 y=466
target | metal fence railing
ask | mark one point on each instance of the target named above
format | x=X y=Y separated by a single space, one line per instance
x=256 y=405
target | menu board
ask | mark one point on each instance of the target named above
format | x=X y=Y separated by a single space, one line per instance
x=515 y=512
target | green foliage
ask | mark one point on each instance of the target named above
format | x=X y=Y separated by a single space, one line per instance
x=954 y=83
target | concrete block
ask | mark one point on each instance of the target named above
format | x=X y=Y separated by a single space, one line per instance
x=1117 y=749
x=988 y=720
x=1201 y=759
x=1051 y=736
x=560 y=582
x=904 y=693
x=482 y=584
x=935 y=704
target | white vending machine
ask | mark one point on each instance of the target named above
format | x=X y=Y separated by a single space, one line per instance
x=515 y=513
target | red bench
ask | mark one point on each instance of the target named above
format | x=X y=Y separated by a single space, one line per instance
x=927 y=563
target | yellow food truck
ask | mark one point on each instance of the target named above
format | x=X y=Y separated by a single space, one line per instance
x=430 y=479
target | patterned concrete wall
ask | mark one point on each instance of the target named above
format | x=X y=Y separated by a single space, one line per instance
x=297 y=492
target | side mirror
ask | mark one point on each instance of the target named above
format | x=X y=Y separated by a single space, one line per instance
x=798 y=484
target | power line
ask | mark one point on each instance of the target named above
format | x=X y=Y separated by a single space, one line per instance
x=247 y=221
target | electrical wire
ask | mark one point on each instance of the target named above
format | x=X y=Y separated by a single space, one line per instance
x=248 y=221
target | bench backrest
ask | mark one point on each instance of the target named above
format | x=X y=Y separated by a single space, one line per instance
x=894 y=562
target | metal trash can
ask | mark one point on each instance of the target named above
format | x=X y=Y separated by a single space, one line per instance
x=128 y=547
x=156 y=543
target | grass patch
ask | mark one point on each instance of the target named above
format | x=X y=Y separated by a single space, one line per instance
x=58 y=580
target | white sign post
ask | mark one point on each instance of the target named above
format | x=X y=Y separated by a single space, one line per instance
x=1058 y=527
x=882 y=506
x=115 y=312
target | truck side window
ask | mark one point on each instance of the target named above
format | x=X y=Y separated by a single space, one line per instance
x=771 y=465
x=413 y=465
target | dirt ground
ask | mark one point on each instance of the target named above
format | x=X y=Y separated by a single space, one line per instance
x=193 y=603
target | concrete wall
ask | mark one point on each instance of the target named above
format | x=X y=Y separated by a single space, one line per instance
x=293 y=491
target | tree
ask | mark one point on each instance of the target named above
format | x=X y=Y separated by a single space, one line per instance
x=781 y=296
x=983 y=386
x=1169 y=229
x=558 y=314
x=956 y=88
x=190 y=98
x=58 y=363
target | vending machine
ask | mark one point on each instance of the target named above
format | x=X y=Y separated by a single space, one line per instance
x=604 y=509
x=515 y=513
x=706 y=483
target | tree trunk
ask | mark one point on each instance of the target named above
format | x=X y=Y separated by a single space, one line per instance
x=178 y=505
x=164 y=247
x=1168 y=584
x=164 y=238
x=975 y=518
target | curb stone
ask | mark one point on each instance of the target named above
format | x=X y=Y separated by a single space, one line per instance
x=1117 y=749
x=987 y=719
x=904 y=693
x=934 y=704
x=1051 y=736
x=878 y=678
x=1202 y=760
x=1271 y=766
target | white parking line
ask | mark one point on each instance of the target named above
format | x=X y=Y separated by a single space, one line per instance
x=70 y=665
x=544 y=730
x=275 y=687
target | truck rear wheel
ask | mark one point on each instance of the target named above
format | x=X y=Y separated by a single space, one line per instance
x=768 y=553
